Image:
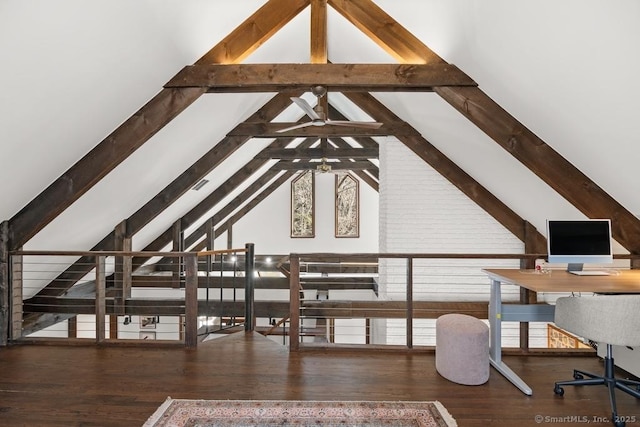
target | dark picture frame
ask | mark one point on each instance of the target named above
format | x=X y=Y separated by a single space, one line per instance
x=303 y=205
x=347 y=206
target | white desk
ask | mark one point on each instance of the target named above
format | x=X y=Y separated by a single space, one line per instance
x=627 y=281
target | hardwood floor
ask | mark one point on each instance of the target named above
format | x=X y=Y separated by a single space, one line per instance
x=122 y=386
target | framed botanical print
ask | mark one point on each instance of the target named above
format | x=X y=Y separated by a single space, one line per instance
x=302 y=205
x=347 y=205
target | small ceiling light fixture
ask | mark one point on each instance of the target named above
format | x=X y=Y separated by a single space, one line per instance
x=324 y=167
x=200 y=184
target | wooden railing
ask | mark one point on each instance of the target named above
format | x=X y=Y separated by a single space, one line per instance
x=51 y=287
x=97 y=297
x=411 y=288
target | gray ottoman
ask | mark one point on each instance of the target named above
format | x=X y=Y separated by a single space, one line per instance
x=462 y=349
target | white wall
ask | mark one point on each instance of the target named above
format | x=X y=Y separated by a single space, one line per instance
x=78 y=69
x=422 y=212
x=268 y=224
x=565 y=69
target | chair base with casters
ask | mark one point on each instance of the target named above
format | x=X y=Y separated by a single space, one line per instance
x=609 y=380
x=609 y=320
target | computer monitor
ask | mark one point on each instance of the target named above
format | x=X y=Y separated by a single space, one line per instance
x=577 y=242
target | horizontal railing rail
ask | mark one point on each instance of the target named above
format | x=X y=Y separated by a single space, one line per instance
x=304 y=300
x=56 y=297
x=412 y=290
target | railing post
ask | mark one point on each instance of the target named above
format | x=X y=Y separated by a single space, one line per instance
x=16 y=315
x=5 y=284
x=294 y=302
x=123 y=267
x=100 y=298
x=249 y=316
x=410 y=302
x=178 y=246
x=191 y=301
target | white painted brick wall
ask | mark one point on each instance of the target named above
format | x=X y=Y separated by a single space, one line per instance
x=422 y=212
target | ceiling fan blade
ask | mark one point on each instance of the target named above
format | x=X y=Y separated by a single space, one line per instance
x=301 y=125
x=368 y=125
x=308 y=109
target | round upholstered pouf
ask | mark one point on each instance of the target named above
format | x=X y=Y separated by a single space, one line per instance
x=462 y=349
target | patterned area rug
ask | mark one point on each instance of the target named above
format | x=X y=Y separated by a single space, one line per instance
x=235 y=413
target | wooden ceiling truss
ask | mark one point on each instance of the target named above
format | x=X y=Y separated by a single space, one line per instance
x=219 y=70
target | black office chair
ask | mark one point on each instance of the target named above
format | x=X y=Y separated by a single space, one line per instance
x=606 y=319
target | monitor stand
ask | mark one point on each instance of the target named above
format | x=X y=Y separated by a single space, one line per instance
x=571 y=267
x=578 y=271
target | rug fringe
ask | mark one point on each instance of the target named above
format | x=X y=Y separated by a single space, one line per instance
x=158 y=413
x=451 y=422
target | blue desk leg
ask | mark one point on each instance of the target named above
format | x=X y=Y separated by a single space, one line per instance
x=495 y=339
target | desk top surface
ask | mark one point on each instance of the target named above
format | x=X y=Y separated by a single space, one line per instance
x=620 y=281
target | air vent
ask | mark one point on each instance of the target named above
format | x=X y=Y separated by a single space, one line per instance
x=200 y=184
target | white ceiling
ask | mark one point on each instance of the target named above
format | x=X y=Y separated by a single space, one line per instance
x=73 y=70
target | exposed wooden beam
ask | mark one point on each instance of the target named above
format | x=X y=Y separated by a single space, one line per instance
x=213 y=158
x=385 y=31
x=512 y=135
x=352 y=77
x=226 y=226
x=304 y=165
x=34 y=322
x=390 y=309
x=319 y=51
x=375 y=173
x=211 y=200
x=218 y=194
x=222 y=150
x=318 y=153
x=270 y=130
x=217 y=281
x=101 y=160
x=546 y=163
x=152 y=117
x=254 y=31
x=166 y=307
x=447 y=168
x=246 y=194
x=367 y=144
x=369 y=176
x=347 y=309
x=232 y=205
x=250 y=205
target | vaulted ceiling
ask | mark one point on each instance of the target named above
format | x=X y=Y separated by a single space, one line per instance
x=249 y=129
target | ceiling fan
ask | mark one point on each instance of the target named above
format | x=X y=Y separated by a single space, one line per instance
x=318 y=116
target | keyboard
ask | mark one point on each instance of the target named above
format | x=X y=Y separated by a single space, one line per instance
x=590 y=273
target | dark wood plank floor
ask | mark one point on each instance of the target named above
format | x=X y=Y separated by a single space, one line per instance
x=122 y=386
